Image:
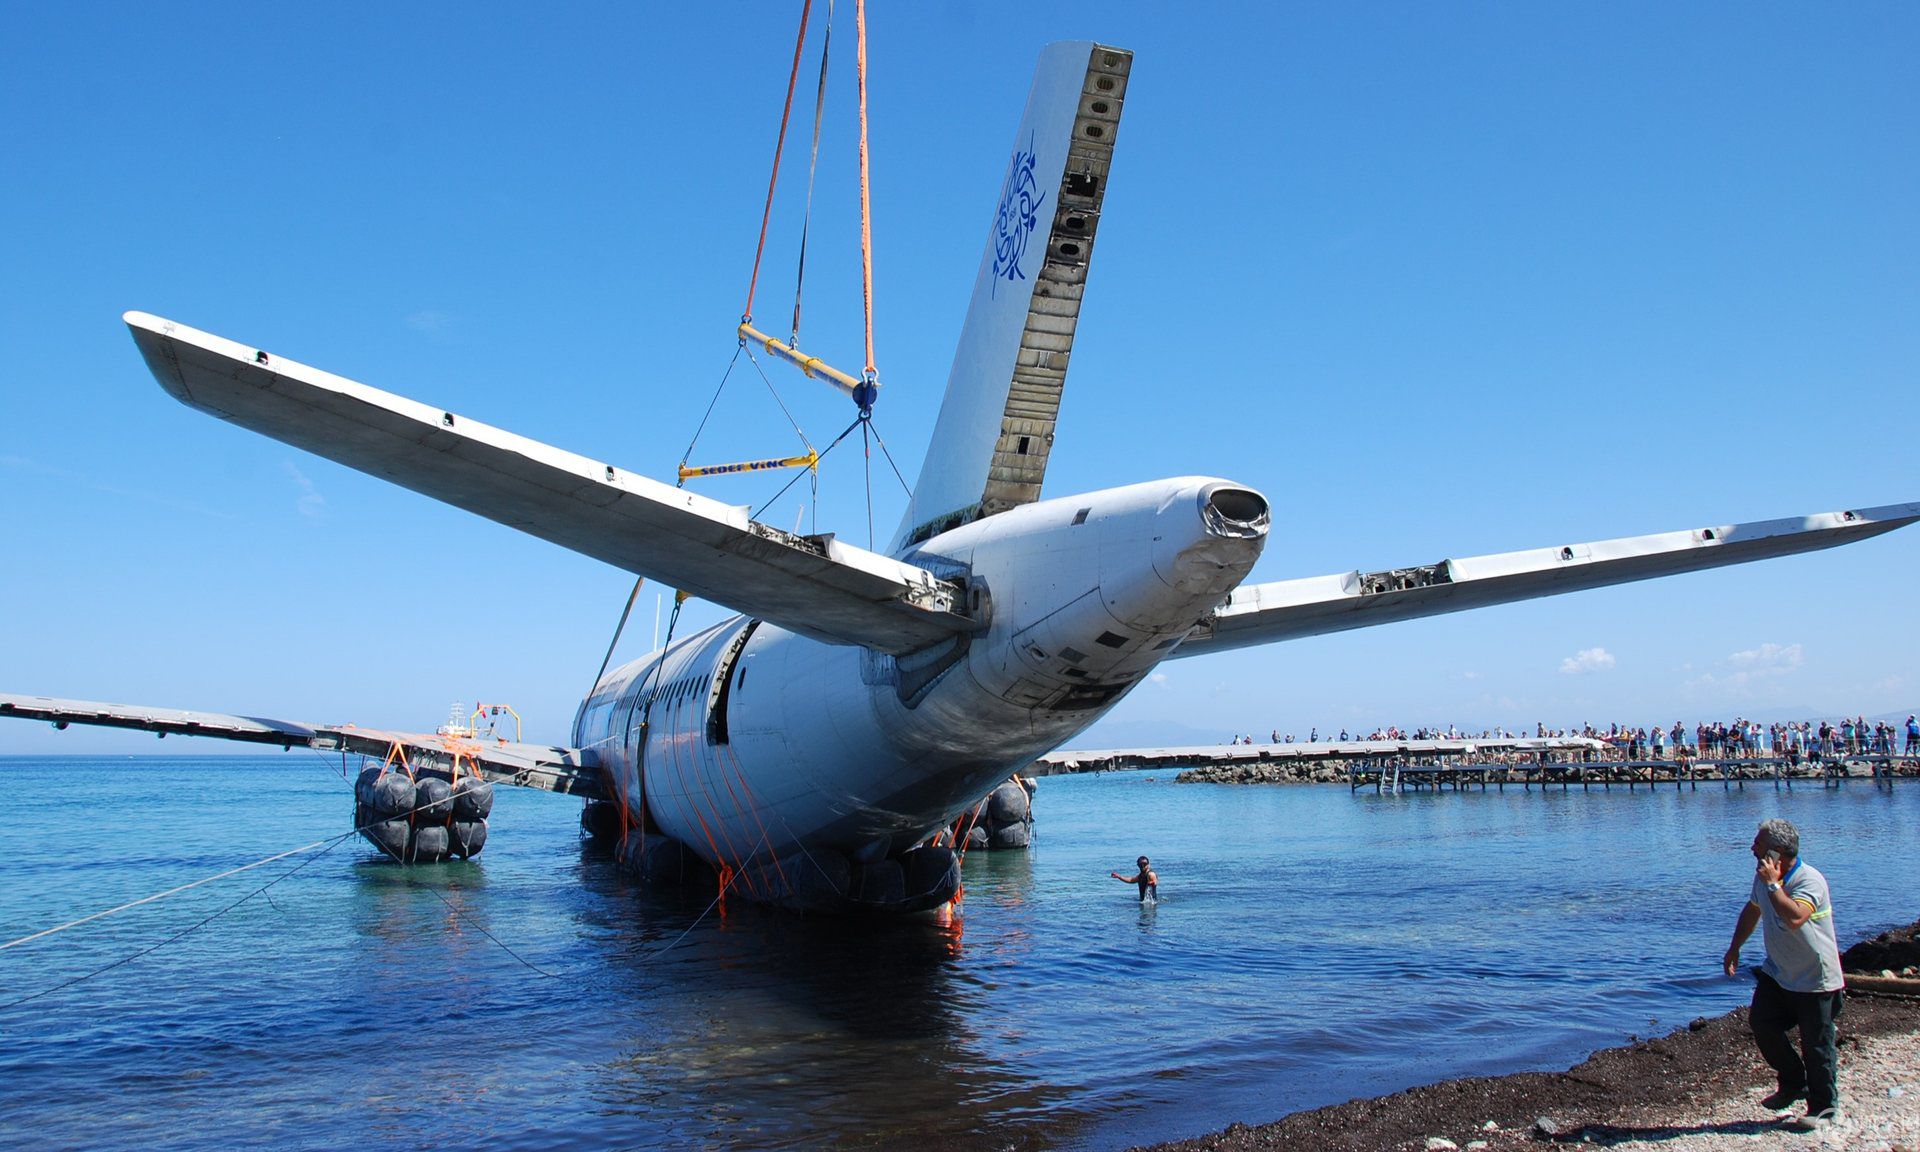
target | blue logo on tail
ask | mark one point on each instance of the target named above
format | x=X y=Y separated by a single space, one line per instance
x=1018 y=216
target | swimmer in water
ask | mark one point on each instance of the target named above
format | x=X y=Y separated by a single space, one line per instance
x=1145 y=878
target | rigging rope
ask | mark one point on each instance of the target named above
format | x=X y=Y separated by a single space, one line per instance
x=329 y=845
x=779 y=142
x=904 y=486
x=719 y=388
x=28 y=939
x=775 y=392
x=755 y=514
x=185 y=932
x=480 y=928
x=866 y=214
x=864 y=391
x=813 y=165
x=617 y=630
x=866 y=453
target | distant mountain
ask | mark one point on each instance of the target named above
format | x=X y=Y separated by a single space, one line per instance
x=1774 y=715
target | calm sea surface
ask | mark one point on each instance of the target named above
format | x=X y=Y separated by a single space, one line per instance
x=1311 y=945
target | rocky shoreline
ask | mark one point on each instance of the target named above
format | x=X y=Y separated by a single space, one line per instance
x=1599 y=771
x=1696 y=1089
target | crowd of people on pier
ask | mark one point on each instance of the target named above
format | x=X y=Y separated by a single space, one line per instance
x=1743 y=739
x=1813 y=740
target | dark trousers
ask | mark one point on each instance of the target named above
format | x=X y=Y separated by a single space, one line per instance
x=1777 y=1012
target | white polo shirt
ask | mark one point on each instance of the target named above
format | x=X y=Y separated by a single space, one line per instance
x=1807 y=958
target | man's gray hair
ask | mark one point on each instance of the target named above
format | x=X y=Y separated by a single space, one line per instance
x=1784 y=837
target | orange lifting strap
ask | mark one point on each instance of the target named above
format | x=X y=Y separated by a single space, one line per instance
x=865 y=389
x=397 y=754
x=779 y=142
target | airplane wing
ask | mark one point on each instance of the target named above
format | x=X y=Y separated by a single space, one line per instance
x=569 y=770
x=813 y=585
x=1289 y=609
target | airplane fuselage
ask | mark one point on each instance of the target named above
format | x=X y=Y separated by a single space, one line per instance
x=746 y=742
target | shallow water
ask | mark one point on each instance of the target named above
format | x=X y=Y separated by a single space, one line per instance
x=1310 y=945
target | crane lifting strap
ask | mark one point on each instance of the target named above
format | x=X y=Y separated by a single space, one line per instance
x=872 y=375
x=779 y=142
x=865 y=389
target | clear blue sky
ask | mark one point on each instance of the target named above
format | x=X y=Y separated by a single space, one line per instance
x=1439 y=280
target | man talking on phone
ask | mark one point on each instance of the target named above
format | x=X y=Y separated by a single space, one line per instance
x=1800 y=985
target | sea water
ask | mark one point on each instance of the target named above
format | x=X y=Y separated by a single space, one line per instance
x=1309 y=945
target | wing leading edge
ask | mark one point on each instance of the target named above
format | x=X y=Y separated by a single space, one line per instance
x=813 y=585
x=569 y=770
x=1289 y=609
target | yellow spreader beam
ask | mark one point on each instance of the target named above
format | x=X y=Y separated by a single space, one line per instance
x=810 y=365
x=688 y=471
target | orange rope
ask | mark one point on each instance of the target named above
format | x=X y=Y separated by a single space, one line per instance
x=753 y=805
x=779 y=142
x=960 y=839
x=970 y=819
x=397 y=753
x=866 y=213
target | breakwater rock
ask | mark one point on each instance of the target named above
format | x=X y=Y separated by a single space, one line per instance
x=1422 y=772
x=1298 y=772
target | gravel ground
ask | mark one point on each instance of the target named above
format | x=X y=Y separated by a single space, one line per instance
x=1694 y=1090
x=1879 y=1112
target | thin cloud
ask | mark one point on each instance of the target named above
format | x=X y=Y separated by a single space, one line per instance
x=1750 y=666
x=1587 y=660
x=28 y=464
x=1768 y=659
x=311 y=504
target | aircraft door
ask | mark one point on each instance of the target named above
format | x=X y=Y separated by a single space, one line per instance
x=725 y=680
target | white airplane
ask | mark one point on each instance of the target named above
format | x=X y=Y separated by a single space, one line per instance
x=812 y=748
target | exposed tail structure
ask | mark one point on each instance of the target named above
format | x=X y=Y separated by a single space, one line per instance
x=990 y=446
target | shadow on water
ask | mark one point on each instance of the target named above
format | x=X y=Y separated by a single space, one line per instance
x=763 y=1028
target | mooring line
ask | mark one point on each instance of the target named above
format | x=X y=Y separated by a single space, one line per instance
x=185 y=932
x=324 y=846
x=455 y=913
x=657 y=953
x=173 y=891
x=329 y=842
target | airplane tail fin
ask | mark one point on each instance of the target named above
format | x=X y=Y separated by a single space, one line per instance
x=995 y=431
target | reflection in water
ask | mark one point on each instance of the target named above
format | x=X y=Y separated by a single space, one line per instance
x=781 y=1030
